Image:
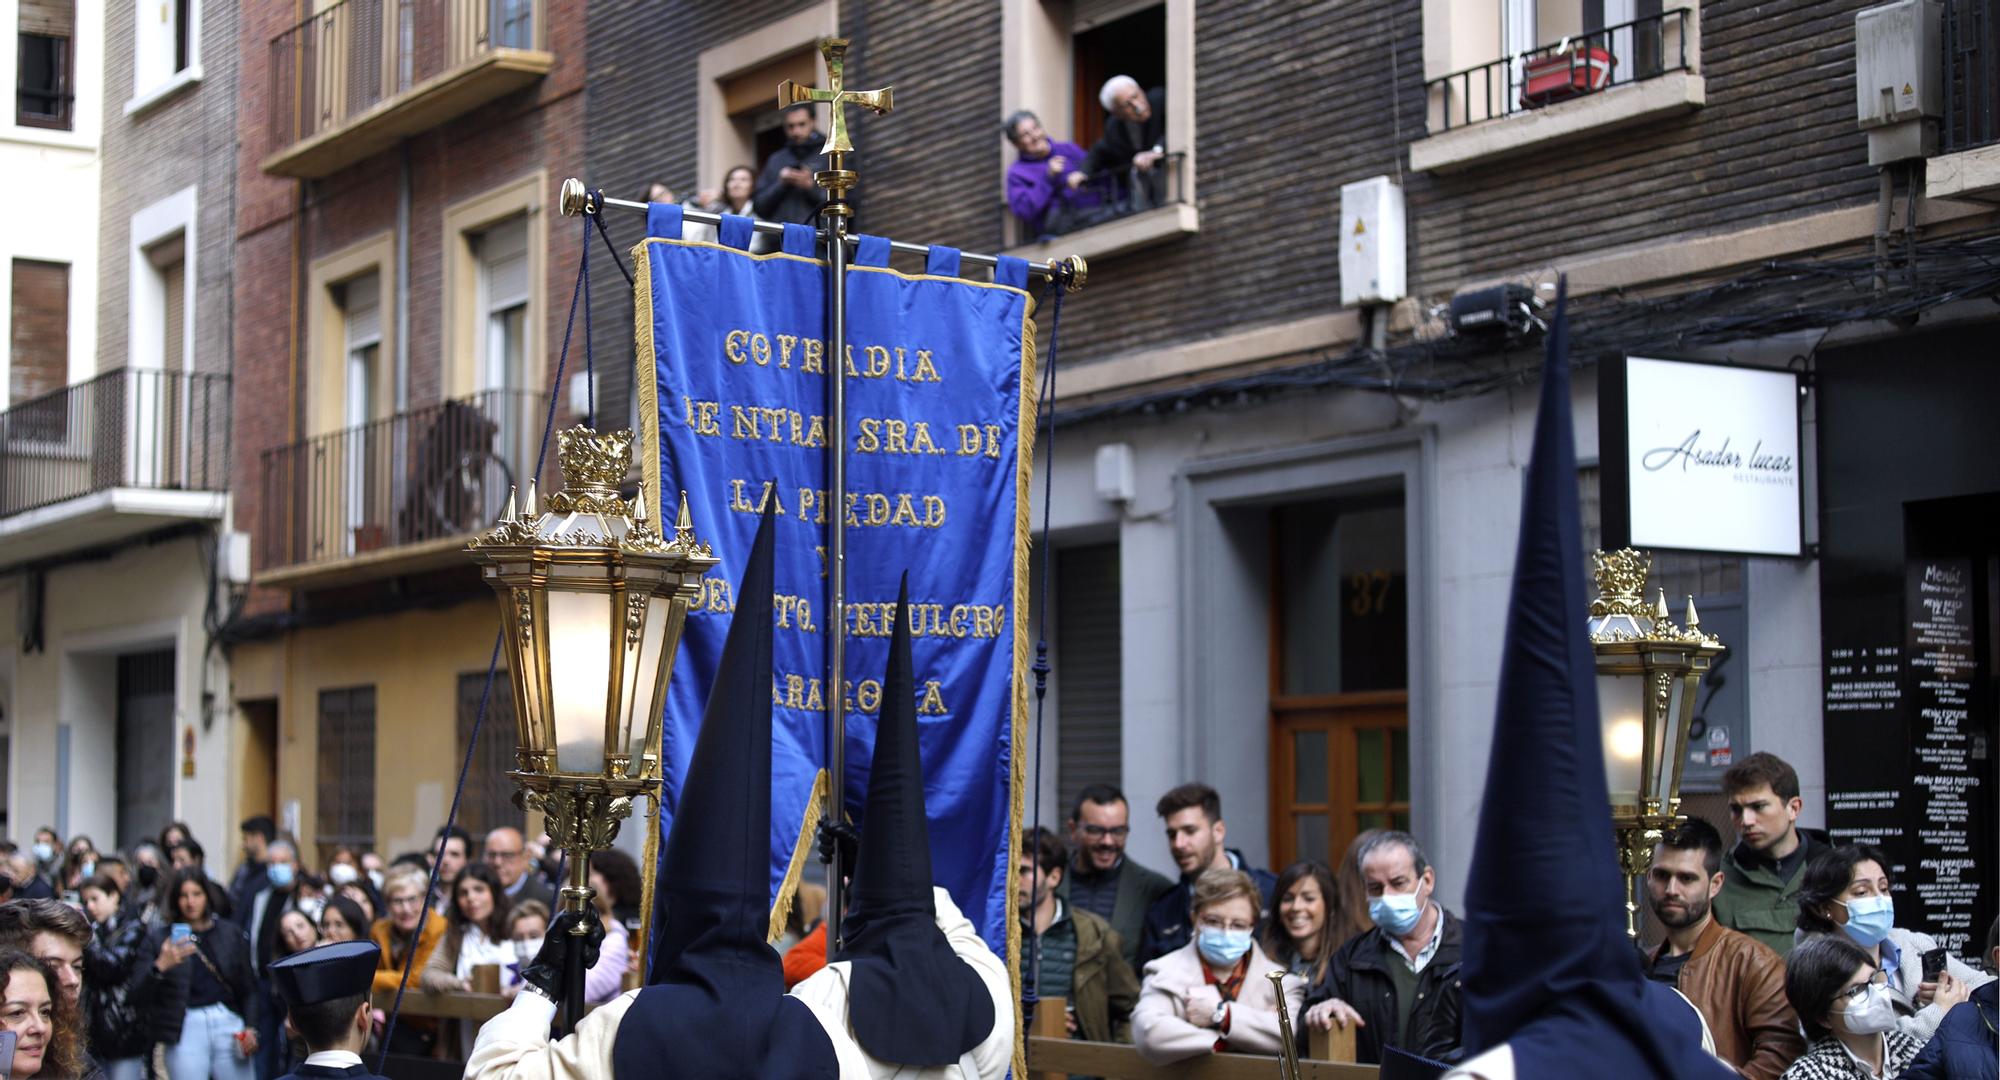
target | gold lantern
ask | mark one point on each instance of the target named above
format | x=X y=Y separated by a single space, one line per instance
x=1648 y=673
x=592 y=601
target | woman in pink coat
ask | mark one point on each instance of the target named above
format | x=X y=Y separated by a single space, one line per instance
x=1214 y=994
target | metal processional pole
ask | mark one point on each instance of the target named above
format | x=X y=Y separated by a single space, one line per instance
x=836 y=216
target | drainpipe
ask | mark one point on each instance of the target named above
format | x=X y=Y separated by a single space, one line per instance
x=403 y=281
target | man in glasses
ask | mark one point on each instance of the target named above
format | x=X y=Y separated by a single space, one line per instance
x=506 y=852
x=1102 y=880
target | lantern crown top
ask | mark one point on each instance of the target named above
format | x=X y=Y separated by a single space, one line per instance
x=1621 y=613
x=589 y=512
x=1621 y=582
x=593 y=466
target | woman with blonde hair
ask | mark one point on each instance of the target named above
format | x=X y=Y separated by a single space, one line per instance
x=1214 y=994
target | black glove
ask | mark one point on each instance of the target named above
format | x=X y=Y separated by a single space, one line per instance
x=545 y=972
x=841 y=838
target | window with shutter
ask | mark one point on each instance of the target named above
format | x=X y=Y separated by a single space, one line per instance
x=489 y=794
x=1088 y=660
x=346 y=811
x=45 y=88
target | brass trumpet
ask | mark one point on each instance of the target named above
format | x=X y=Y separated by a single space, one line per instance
x=1288 y=1050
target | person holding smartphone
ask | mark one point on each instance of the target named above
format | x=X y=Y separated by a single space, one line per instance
x=200 y=997
x=1846 y=890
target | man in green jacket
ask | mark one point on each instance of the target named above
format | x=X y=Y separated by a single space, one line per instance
x=1099 y=878
x=1080 y=960
x=1761 y=874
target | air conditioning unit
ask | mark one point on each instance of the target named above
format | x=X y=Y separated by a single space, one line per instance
x=1899 y=78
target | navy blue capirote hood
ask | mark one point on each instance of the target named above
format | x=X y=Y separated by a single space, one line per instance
x=1548 y=968
x=717 y=1006
x=911 y=1000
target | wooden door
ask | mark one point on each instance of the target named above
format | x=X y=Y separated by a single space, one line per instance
x=1339 y=674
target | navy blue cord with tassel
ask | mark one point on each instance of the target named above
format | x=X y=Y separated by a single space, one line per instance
x=1031 y=989
x=582 y=290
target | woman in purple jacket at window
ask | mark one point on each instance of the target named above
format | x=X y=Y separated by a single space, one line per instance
x=1038 y=190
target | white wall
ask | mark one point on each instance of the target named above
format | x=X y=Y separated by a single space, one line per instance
x=48 y=188
x=142 y=599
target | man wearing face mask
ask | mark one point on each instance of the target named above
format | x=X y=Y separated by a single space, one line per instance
x=250 y=878
x=1397 y=984
x=267 y=909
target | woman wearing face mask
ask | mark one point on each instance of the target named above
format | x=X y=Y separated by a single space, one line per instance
x=1213 y=994
x=1845 y=892
x=48 y=853
x=527 y=923
x=78 y=865
x=1847 y=1014
x=1305 y=932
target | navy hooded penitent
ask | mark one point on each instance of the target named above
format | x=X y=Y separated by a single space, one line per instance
x=912 y=1001
x=718 y=1008
x=1548 y=968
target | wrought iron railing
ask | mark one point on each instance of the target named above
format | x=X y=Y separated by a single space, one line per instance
x=344 y=60
x=1118 y=194
x=1576 y=66
x=429 y=474
x=1971 y=74
x=126 y=428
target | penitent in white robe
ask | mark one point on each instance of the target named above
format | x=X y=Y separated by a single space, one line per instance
x=515 y=1045
x=826 y=993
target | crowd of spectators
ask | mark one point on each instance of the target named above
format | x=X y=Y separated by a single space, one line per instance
x=138 y=964
x=1783 y=942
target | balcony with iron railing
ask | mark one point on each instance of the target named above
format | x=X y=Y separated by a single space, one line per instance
x=1586 y=83
x=126 y=453
x=1128 y=211
x=351 y=80
x=394 y=496
x=1969 y=138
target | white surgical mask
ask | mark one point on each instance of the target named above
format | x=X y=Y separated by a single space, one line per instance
x=1870 y=1014
x=341 y=873
x=375 y=879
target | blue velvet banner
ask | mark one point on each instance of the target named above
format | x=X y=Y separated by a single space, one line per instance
x=939 y=394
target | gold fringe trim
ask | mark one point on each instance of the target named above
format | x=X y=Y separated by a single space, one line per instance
x=648 y=872
x=788 y=890
x=645 y=377
x=1017 y=783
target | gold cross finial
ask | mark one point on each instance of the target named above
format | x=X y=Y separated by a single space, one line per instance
x=791 y=93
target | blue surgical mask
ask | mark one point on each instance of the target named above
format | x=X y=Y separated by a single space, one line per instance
x=1221 y=947
x=1869 y=919
x=1395 y=912
x=88 y=869
x=44 y=851
x=280 y=875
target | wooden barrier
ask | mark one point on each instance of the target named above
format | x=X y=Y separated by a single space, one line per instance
x=1116 y=1061
x=461 y=1005
x=1052 y=1055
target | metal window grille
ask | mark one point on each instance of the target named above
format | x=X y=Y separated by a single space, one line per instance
x=346 y=813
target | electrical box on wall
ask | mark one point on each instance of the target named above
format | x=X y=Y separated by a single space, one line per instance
x=1899 y=78
x=1372 y=260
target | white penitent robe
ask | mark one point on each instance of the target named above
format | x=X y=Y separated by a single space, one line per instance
x=515 y=1045
x=826 y=993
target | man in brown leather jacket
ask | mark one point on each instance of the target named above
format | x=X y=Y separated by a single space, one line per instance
x=1737 y=982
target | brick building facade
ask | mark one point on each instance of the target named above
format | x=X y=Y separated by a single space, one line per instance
x=1228 y=466
x=403 y=277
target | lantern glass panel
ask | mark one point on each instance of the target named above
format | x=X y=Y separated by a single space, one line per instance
x=1620 y=707
x=1679 y=698
x=580 y=645
x=642 y=671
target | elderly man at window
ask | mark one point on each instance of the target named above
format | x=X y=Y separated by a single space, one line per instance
x=1134 y=141
x=1038 y=190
